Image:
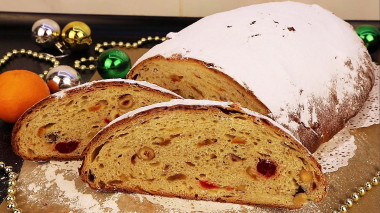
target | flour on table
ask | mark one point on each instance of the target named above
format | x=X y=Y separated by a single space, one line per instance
x=62 y=178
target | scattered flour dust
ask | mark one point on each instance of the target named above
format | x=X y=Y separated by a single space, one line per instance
x=65 y=176
x=182 y=205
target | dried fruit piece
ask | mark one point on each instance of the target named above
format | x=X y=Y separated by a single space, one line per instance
x=165 y=169
x=252 y=172
x=229 y=188
x=42 y=130
x=232 y=157
x=306 y=176
x=133 y=159
x=107 y=120
x=95 y=108
x=241 y=188
x=175 y=78
x=207 y=142
x=51 y=137
x=176 y=177
x=66 y=147
x=208 y=185
x=162 y=142
x=238 y=140
x=266 y=167
x=300 y=199
x=126 y=101
x=190 y=163
x=146 y=153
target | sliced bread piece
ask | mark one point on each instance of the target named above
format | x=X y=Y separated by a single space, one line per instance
x=61 y=125
x=203 y=150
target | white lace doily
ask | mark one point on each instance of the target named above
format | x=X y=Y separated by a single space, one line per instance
x=335 y=153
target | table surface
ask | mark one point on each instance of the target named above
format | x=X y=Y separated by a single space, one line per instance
x=15 y=33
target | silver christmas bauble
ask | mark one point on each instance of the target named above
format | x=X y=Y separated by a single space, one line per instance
x=62 y=77
x=45 y=32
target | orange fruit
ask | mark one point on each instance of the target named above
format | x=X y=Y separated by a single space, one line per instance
x=19 y=90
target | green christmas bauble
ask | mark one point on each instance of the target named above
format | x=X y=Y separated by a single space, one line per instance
x=370 y=36
x=114 y=63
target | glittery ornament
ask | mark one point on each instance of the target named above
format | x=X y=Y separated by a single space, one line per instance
x=77 y=35
x=62 y=77
x=370 y=36
x=114 y=63
x=45 y=33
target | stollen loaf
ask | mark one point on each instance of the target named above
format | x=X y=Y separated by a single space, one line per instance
x=299 y=64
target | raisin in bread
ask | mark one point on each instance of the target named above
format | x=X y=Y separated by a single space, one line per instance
x=299 y=64
x=204 y=150
x=61 y=125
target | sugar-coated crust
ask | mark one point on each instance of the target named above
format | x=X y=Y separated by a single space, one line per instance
x=71 y=93
x=288 y=54
x=210 y=106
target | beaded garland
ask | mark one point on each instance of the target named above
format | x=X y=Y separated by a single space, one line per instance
x=22 y=52
x=10 y=198
x=78 y=64
x=101 y=47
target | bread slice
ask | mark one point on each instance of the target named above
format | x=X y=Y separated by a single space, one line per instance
x=61 y=125
x=203 y=150
x=274 y=58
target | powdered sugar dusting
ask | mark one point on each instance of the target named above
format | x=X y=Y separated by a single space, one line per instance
x=369 y=114
x=62 y=93
x=290 y=60
x=335 y=153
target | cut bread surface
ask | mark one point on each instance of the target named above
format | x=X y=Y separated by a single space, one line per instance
x=216 y=152
x=193 y=79
x=60 y=126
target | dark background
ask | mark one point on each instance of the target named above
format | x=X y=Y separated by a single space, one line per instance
x=15 y=33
